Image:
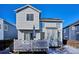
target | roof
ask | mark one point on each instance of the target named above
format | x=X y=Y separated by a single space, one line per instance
x=7 y=22
x=73 y=24
x=26 y=6
x=51 y=20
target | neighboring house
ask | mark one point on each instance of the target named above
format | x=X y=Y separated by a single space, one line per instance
x=8 y=33
x=71 y=33
x=36 y=31
x=7 y=30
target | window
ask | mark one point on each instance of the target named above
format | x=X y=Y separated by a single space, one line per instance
x=42 y=35
x=30 y=17
x=65 y=31
x=31 y=36
x=73 y=27
x=5 y=27
x=0 y=26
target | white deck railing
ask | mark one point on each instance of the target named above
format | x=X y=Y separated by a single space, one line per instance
x=31 y=45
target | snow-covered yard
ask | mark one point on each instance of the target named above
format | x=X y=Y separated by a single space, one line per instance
x=66 y=50
x=6 y=51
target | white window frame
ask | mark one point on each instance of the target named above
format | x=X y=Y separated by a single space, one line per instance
x=65 y=31
x=28 y=17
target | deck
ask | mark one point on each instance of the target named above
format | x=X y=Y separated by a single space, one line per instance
x=31 y=45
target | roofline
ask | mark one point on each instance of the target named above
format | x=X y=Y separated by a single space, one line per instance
x=71 y=24
x=50 y=20
x=7 y=22
x=23 y=7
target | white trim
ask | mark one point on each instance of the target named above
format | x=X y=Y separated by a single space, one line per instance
x=27 y=6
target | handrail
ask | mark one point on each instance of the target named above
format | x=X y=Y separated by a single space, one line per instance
x=30 y=44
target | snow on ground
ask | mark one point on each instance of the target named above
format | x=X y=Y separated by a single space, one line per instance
x=6 y=51
x=66 y=50
x=72 y=50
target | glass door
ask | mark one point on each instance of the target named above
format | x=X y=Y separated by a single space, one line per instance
x=26 y=36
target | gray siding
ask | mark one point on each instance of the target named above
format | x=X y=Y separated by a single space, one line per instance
x=66 y=34
x=77 y=32
x=70 y=33
x=1 y=30
x=11 y=33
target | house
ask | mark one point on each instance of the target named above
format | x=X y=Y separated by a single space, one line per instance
x=71 y=34
x=8 y=32
x=36 y=33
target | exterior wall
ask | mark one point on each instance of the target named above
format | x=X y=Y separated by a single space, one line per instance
x=11 y=33
x=46 y=24
x=50 y=24
x=21 y=20
x=70 y=33
x=37 y=36
x=66 y=34
x=20 y=35
x=1 y=30
x=77 y=32
x=60 y=35
x=73 y=35
x=27 y=33
x=56 y=27
x=53 y=25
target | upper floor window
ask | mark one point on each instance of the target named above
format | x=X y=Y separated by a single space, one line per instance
x=64 y=30
x=5 y=27
x=73 y=27
x=30 y=17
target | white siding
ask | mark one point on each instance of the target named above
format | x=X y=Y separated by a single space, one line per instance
x=37 y=36
x=53 y=28
x=20 y=35
x=21 y=20
x=48 y=24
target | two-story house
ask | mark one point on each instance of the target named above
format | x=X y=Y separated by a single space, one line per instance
x=36 y=32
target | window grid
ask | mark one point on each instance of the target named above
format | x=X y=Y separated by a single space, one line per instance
x=30 y=17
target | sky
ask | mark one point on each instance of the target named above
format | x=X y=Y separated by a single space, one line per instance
x=69 y=13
